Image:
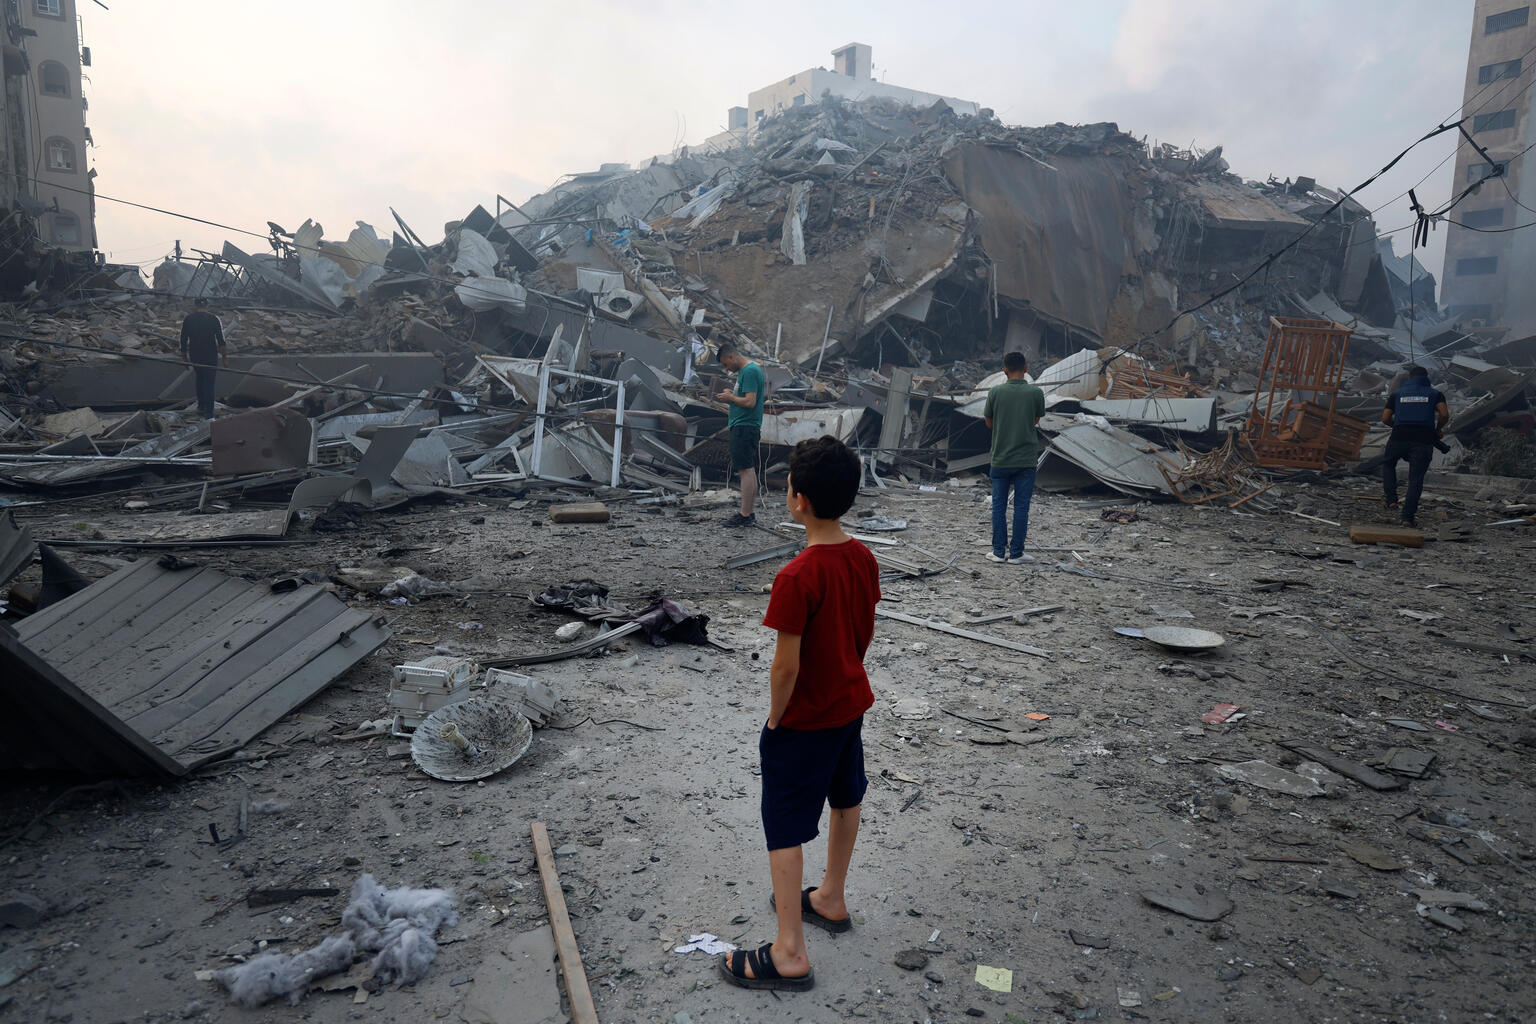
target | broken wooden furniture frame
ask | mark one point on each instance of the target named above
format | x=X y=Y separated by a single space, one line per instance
x=1294 y=418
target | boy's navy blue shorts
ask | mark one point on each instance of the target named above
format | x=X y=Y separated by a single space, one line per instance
x=805 y=769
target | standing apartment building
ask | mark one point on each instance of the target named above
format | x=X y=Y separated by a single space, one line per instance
x=851 y=78
x=1486 y=277
x=43 y=146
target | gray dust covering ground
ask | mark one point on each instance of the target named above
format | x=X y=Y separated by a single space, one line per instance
x=1031 y=855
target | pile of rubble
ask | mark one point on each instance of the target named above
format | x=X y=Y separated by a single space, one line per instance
x=875 y=258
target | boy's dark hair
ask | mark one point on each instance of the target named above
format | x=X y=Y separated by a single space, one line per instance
x=1417 y=371
x=1014 y=362
x=201 y=302
x=827 y=472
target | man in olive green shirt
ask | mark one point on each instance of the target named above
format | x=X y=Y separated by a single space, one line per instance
x=1013 y=409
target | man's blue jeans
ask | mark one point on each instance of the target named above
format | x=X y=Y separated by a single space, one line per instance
x=1022 y=483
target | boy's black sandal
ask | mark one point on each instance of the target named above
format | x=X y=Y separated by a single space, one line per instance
x=733 y=967
x=809 y=915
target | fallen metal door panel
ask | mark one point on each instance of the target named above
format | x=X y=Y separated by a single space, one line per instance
x=232 y=722
x=66 y=725
x=146 y=658
x=203 y=670
x=169 y=594
x=223 y=643
x=208 y=590
x=285 y=644
x=105 y=593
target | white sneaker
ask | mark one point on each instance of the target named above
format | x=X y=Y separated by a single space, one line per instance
x=996 y=558
x=1021 y=560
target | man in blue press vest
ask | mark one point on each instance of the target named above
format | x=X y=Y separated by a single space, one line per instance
x=1417 y=414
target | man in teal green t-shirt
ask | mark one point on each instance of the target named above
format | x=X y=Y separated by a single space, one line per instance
x=1013 y=409
x=745 y=426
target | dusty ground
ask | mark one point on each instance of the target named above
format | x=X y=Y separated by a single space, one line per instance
x=981 y=855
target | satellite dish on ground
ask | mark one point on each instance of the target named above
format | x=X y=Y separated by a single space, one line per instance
x=471 y=739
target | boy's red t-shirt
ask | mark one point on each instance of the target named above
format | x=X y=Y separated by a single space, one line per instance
x=827 y=597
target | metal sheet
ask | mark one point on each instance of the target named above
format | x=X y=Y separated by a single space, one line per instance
x=272 y=275
x=1114 y=457
x=160 y=670
x=16 y=548
x=162 y=447
x=385 y=450
x=790 y=428
x=261 y=441
x=429 y=462
x=1186 y=415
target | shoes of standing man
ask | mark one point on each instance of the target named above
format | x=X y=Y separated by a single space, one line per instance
x=737 y=519
x=1021 y=559
x=996 y=558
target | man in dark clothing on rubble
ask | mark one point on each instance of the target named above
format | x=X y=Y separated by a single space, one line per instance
x=1417 y=414
x=202 y=346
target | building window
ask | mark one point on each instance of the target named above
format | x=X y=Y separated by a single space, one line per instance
x=1516 y=18
x=1497 y=72
x=1483 y=218
x=1480 y=171
x=50 y=8
x=54 y=78
x=1477 y=266
x=757 y=115
x=1495 y=121
x=66 y=229
x=799 y=101
x=61 y=155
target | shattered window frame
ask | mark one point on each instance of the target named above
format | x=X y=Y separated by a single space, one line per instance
x=61 y=155
x=1491 y=217
x=1477 y=266
x=1506 y=20
x=49 y=8
x=1500 y=70
x=1494 y=122
x=53 y=79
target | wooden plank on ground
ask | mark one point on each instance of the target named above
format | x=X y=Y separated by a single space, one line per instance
x=944 y=627
x=576 y=991
x=1405 y=536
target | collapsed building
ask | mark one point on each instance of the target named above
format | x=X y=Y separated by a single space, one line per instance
x=878 y=258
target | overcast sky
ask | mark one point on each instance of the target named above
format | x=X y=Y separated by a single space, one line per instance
x=279 y=110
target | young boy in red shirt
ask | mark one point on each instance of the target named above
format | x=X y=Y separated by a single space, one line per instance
x=823 y=607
